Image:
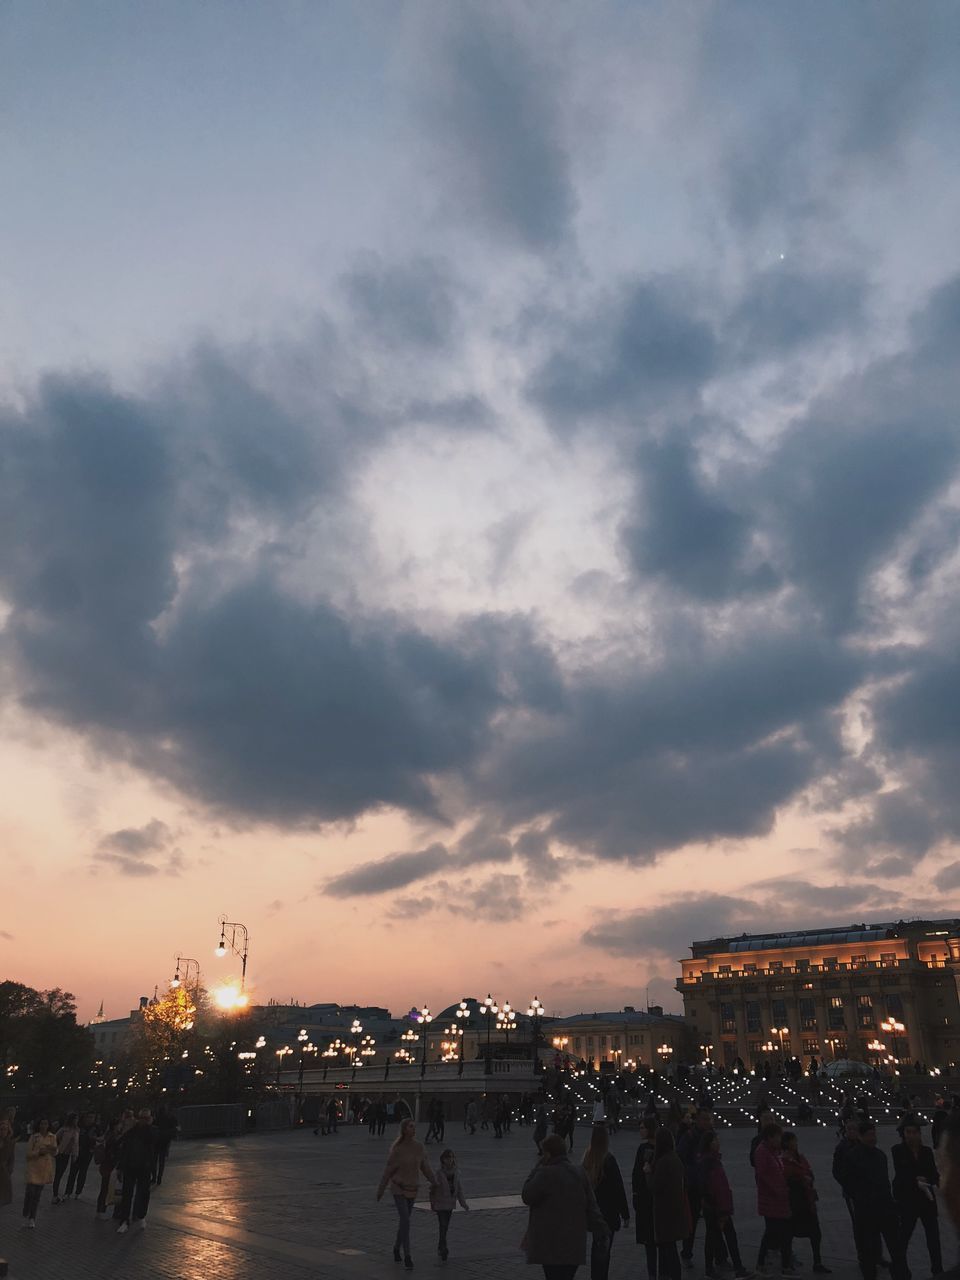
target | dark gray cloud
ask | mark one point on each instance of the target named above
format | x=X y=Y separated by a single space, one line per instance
x=686 y=535
x=783 y=309
x=786 y=903
x=140 y=851
x=638 y=351
x=386 y=874
x=707 y=741
x=493 y=113
x=948 y=877
x=411 y=304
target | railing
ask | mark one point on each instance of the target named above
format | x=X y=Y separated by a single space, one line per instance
x=794 y=971
x=405 y=1074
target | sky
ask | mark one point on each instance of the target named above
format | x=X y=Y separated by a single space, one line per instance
x=479 y=489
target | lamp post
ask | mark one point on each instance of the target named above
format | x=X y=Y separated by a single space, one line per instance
x=535 y=1013
x=706 y=1050
x=331 y=1051
x=665 y=1051
x=489 y=1009
x=506 y=1021
x=463 y=1014
x=453 y=1047
x=425 y=1017
x=780 y=1032
x=282 y=1053
x=183 y=979
x=876 y=1048
x=895 y=1029
x=234 y=937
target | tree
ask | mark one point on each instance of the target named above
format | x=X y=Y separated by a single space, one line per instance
x=39 y=1036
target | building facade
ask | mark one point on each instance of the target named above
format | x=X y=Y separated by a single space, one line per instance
x=625 y=1038
x=876 y=993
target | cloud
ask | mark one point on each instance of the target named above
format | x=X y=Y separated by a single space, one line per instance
x=140 y=851
x=675 y=923
x=782 y=309
x=386 y=874
x=409 y=304
x=491 y=109
x=948 y=877
x=7 y=937
x=639 y=350
x=686 y=535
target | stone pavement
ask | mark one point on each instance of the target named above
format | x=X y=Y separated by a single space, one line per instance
x=302 y=1208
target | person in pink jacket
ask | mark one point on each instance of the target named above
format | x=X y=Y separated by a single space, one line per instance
x=773 y=1199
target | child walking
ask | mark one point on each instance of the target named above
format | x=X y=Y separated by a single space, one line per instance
x=445 y=1193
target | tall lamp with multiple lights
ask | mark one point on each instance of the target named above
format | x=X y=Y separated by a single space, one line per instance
x=535 y=1013
x=234 y=937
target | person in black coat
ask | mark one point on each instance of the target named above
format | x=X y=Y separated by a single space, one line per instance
x=914 y=1177
x=138 y=1149
x=875 y=1215
x=643 y=1196
x=604 y=1176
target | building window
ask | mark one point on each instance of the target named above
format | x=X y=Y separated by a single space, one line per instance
x=888 y=959
x=576 y=1044
x=779 y=1008
x=811 y=1047
x=749 y=968
x=808 y=1014
x=724 y=970
x=753 y=1017
x=634 y=1039
x=776 y=966
x=829 y=962
x=615 y=1042
x=803 y=966
x=865 y=1011
x=755 y=1047
x=835 y=1019
x=728 y=1018
x=603 y=1042
x=894 y=1005
x=857 y=961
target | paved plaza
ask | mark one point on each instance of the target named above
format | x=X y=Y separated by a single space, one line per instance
x=296 y=1207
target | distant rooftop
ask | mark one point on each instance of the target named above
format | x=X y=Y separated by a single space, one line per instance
x=630 y=1016
x=826 y=937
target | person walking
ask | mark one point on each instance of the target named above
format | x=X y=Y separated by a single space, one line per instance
x=41 y=1163
x=471 y=1117
x=563 y=1208
x=8 y=1147
x=540 y=1127
x=875 y=1213
x=642 y=1193
x=106 y=1154
x=68 y=1148
x=137 y=1151
x=406 y=1160
x=166 y=1127
x=689 y=1146
x=716 y=1200
x=670 y=1210
x=605 y=1178
x=445 y=1194
x=915 y=1175
x=804 y=1219
x=87 y=1140
x=773 y=1199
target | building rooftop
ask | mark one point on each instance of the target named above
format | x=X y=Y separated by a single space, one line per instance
x=826 y=937
x=621 y=1015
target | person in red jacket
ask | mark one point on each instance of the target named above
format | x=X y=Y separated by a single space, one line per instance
x=773 y=1199
x=717 y=1204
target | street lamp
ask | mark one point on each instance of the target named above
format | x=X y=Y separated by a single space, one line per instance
x=876 y=1047
x=425 y=1017
x=665 y=1050
x=506 y=1020
x=896 y=1029
x=282 y=1053
x=706 y=1050
x=453 y=1048
x=489 y=1009
x=535 y=1013
x=234 y=937
x=177 y=980
x=781 y=1032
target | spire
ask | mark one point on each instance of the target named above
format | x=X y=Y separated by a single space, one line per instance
x=100 y=1017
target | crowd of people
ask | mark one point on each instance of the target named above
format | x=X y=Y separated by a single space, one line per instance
x=678 y=1179
x=128 y=1152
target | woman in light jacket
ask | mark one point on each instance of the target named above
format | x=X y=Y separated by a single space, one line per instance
x=406 y=1160
x=41 y=1150
x=563 y=1209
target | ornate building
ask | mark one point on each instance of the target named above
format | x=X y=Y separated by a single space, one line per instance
x=872 y=992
